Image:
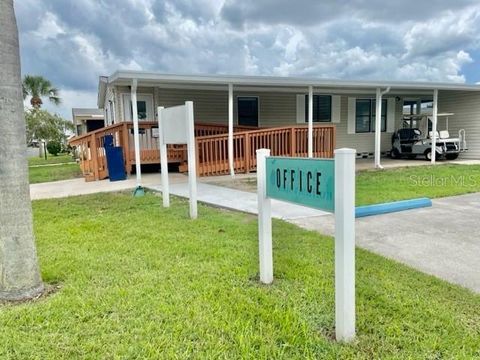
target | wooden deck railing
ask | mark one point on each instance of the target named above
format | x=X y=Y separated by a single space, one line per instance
x=212 y=151
x=90 y=150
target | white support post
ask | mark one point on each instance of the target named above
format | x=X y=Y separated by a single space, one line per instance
x=345 y=244
x=230 y=130
x=434 y=126
x=378 y=126
x=264 y=220
x=163 y=160
x=192 y=167
x=310 y=121
x=138 y=169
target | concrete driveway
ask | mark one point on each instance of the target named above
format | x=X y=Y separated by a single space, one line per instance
x=443 y=240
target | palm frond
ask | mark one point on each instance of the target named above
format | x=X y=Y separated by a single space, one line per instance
x=38 y=87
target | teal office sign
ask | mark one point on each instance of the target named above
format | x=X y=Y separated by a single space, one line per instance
x=303 y=181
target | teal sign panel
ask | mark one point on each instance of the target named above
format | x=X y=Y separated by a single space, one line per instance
x=303 y=181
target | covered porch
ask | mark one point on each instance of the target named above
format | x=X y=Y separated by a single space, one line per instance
x=235 y=115
x=211 y=147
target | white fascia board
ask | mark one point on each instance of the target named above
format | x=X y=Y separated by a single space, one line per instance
x=147 y=77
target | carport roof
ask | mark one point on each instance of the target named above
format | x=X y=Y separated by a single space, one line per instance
x=125 y=77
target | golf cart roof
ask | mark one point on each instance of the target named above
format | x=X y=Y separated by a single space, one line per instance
x=423 y=116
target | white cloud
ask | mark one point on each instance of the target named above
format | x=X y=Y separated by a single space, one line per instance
x=49 y=27
x=72 y=43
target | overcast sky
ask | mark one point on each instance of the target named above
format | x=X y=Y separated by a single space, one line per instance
x=72 y=42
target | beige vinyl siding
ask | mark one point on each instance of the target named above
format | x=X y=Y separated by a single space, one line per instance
x=466 y=107
x=208 y=106
x=279 y=109
x=275 y=109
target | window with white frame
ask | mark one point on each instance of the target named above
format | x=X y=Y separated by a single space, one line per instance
x=365 y=115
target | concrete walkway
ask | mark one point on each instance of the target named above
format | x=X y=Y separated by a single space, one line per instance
x=239 y=200
x=74 y=187
x=443 y=240
x=388 y=163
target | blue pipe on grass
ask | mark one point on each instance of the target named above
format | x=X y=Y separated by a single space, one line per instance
x=385 y=208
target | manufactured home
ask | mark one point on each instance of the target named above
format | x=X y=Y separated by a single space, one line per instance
x=291 y=116
x=87 y=120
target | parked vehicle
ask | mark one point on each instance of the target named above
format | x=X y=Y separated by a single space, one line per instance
x=411 y=142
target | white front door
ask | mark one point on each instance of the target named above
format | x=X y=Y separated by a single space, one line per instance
x=144 y=107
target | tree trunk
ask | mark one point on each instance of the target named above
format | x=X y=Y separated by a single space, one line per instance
x=19 y=271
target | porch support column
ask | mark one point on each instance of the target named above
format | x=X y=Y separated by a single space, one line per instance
x=378 y=126
x=230 y=130
x=310 y=121
x=138 y=169
x=434 y=125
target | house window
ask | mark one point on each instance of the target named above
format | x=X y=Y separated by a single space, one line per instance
x=322 y=108
x=365 y=115
x=247 y=110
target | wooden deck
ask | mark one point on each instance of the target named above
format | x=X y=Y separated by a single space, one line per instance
x=211 y=146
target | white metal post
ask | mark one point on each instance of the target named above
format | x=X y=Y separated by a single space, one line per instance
x=163 y=160
x=192 y=167
x=345 y=244
x=310 y=121
x=133 y=96
x=230 y=130
x=378 y=126
x=434 y=126
x=264 y=220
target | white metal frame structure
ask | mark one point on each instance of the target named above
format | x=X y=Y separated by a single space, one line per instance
x=176 y=126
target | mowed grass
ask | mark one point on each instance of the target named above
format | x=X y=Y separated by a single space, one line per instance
x=55 y=168
x=59 y=159
x=54 y=173
x=140 y=281
x=378 y=186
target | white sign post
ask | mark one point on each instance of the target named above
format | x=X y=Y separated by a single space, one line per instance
x=344 y=244
x=264 y=220
x=314 y=183
x=176 y=126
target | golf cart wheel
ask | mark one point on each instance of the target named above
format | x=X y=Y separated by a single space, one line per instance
x=428 y=155
x=394 y=154
x=451 y=156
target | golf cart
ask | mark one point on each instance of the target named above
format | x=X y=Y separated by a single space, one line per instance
x=410 y=142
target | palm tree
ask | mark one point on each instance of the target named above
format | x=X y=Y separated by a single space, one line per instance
x=38 y=87
x=19 y=271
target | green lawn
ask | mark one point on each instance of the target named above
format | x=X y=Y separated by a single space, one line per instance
x=378 y=186
x=375 y=186
x=54 y=173
x=60 y=159
x=140 y=281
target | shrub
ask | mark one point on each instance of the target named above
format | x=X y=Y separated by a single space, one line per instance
x=54 y=147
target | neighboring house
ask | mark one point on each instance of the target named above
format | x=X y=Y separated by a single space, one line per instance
x=261 y=101
x=87 y=120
